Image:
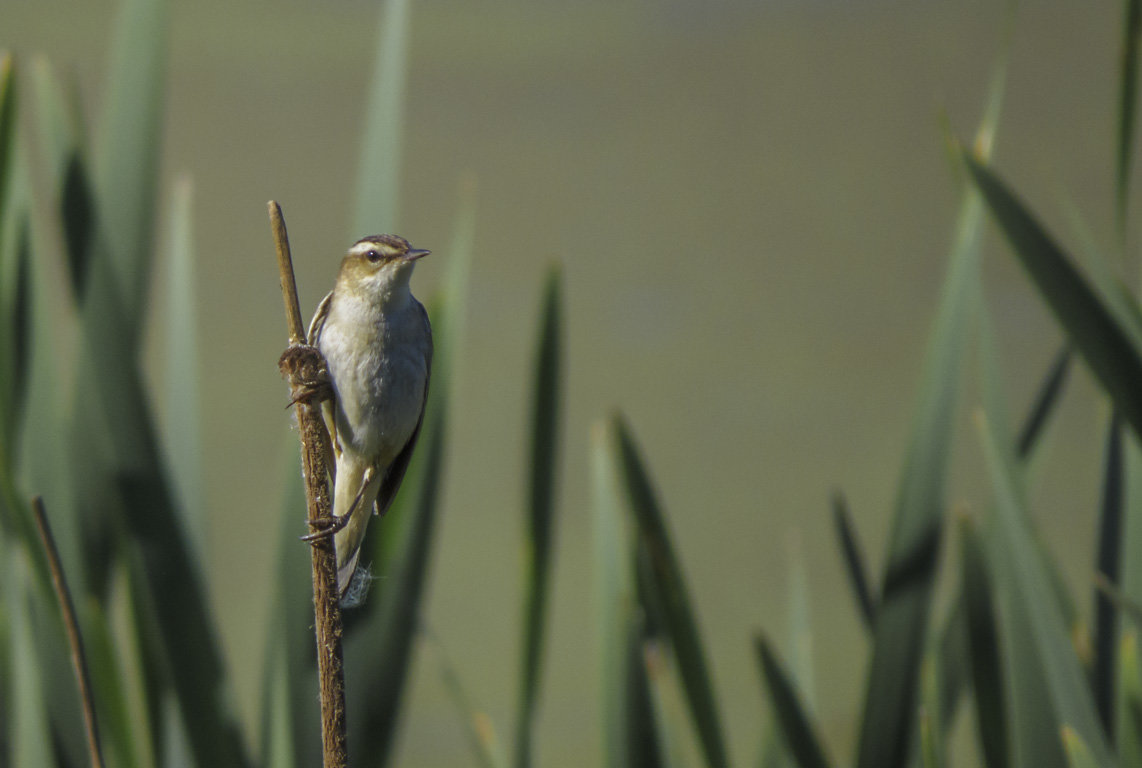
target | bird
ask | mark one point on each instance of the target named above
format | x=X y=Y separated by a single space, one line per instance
x=377 y=343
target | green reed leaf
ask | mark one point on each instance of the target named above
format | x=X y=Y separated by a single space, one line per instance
x=984 y=647
x=545 y=422
x=129 y=151
x=668 y=589
x=1079 y=755
x=1021 y=574
x=1127 y=107
x=182 y=433
x=28 y=734
x=800 y=735
x=1091 y=326
x=378 y=176
x=854 y=559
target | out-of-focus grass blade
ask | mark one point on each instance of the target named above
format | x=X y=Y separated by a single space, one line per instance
x=627 y=716
x=800 y=735
x=1019 y=568
x=183 y=438
x=671 y=595
x=933 y=747
x=902 y=616
x=903 y=610
x=291 y=718
x=123 y=737
x=169 y=574
x=1079 y=755
x=614 y=590
x=381 y=657
x=378 y=179
x=1127 y=102
x=950 y=675
x=1044 y=403
x=477 y=724
x=983 y=644
x=1105 y=280
x=13 y=264
x=545 y=417
x=800 y=630
x=1128 y=731
x=127 y=162
x=29 y=735
x=1092 y=328
x=277 y=726
x=930 y=756
x=7 y=139
x=1108 y=561
x=854 y=559
x=61 y=131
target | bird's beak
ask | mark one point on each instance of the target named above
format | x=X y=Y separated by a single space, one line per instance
x=415 y=253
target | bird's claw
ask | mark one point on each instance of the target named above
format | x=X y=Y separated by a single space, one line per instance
x=308 y=376
x=325 y=527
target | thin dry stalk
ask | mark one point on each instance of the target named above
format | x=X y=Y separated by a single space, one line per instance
x=299 y=363
x=67 y=608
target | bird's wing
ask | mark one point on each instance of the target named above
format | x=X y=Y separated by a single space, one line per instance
x=318 y=321
x=395 y=474
x=333 y=447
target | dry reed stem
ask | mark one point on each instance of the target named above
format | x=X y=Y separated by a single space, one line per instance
x=67 y=608
x=295 y=362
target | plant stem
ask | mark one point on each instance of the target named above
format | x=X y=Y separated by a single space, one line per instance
x=326 y=600
x=67 y=608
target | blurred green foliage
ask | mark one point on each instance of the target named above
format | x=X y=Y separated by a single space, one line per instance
x=125 y=503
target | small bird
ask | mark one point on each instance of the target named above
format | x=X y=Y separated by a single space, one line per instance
x=377 y=343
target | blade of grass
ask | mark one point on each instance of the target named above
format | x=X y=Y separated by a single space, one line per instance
x=378 y=179
x=854 y=559
x=933 y=746
x=29 y=735
x=126 y=732
x=1020 y=569
x=1128 y=731
x=1079 y=755
x=627 y=717
x=546 y=410
x=129 y=149
x=800 y=735
x=1108 y=563
x=61 y=130
x=289 y=640
x=10 y=265
x=1094 y=331
x=1127 y=102
x=1043 y=406
x=984 y=647
x=381 y=658
x=671 y=595
x=903 y=610
x=182 y=433
x=888 y=721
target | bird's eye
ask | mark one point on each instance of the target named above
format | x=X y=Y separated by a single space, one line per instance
x=373 y=256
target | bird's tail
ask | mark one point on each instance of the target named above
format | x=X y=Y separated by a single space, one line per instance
x=347 y=541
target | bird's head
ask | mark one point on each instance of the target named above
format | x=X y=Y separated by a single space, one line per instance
x=378 y=264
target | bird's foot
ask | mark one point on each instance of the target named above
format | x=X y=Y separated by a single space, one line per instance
x=325 y=527
x=308 y=376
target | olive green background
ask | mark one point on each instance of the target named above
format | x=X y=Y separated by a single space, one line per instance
x=752 y=204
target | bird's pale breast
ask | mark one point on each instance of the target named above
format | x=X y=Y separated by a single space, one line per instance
x=378 y=363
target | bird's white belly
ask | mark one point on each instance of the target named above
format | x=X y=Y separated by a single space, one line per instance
x=380 y=385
